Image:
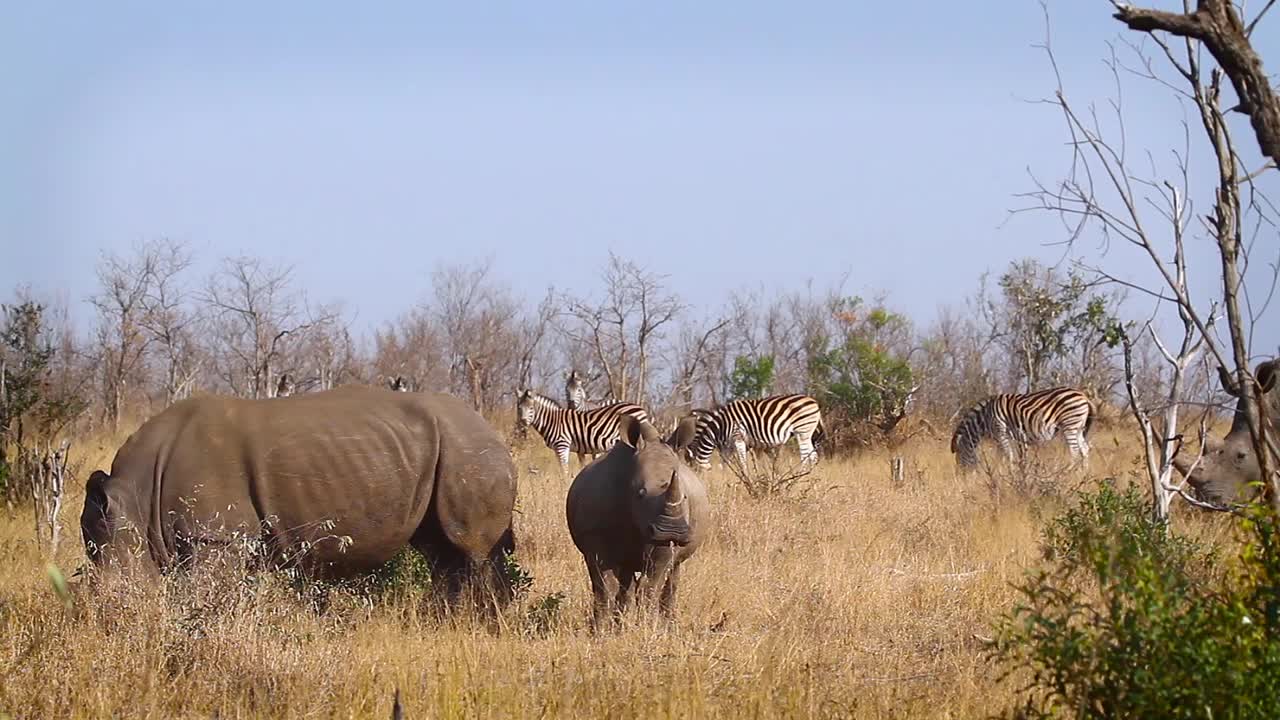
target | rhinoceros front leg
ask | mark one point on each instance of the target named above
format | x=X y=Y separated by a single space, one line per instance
x=659 y=560
x=626 y=593
x=667 y=603
x=604 y=584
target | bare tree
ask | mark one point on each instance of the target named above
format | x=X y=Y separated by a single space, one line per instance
x=1107 y=191
x=122 y=337
x=325 y=356
x=489 y=344
x=257 y=320
x=622 y=327
x=168 y=318
x=413 y=348
x=1161 y=442
x=698 y=359
x=531 y=337
x=1218 y=25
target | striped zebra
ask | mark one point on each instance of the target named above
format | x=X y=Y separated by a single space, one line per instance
x=585 y=432
x=1022 y=420
x=765 y=423
x=575 y=391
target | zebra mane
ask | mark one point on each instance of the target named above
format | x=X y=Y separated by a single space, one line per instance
x=543 y=399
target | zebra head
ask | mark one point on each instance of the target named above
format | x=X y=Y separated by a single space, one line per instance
x=531 y=405
x=284 y=388
x=398 y=384
x=575 y=391
x=968 y=435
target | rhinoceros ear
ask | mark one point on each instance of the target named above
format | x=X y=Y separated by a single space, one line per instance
x=95 y=491
x=1266 y=375
x=630 y=432
x=684 y=433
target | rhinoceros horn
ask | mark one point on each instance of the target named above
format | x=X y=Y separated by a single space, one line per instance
x=672 y=526
x=675 y=494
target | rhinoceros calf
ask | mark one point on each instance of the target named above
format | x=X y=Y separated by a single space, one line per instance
x=1229 y=471
x=336 y=481
x=636 y=511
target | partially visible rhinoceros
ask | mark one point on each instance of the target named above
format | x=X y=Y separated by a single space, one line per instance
x=1229 y=471
x=336 y=482
x=637 y=510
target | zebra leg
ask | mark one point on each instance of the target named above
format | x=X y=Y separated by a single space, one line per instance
x=1079 y=446
x=1005 y=442
x=563 y=455
x=808 y=453
x=740 y=452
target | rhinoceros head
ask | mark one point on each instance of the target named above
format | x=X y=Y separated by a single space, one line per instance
x=111 y=524
x=654 y=489
x=1229 y=471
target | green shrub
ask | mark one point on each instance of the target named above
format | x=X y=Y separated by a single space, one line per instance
x=1126 y=619
x=751 y=377
x=407 y=572
x=516 y=577
x=543 y=614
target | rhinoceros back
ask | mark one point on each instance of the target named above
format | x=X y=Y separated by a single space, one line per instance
x=339 y=480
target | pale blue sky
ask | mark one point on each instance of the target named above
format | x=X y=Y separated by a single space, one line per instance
x=722 y=143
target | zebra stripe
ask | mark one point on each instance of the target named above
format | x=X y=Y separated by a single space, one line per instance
x=765 y=423
x=585 y=432
x=1030 y=419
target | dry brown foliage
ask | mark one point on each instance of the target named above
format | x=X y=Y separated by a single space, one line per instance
x=861 y=599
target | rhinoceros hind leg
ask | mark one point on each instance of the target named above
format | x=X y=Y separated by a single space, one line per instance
x=451 y=568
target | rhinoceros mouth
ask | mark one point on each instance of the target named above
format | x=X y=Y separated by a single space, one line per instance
x=666 y=530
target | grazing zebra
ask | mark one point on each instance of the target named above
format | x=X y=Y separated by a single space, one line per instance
x=765 y=423
x=575 y=391
x=585 y=432
x=1029 y=419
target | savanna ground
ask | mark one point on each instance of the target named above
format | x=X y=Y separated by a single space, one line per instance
x=860 y=598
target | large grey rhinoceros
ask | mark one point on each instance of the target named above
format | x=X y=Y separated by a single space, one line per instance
x=636 y=510
x=335 y=482
x=1229 y=471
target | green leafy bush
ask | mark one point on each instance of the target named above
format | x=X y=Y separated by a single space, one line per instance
x=408 y=572
x=751 y=377
x=1126 y=619
x=861 y=374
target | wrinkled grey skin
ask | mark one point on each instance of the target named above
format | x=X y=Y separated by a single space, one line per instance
x=304 y=473
x=1229 y=471
x=637 y=510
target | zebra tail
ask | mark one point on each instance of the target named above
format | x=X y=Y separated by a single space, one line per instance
x=819 y=433
x=1088 y=421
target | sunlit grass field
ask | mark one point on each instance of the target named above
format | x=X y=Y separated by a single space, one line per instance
x=856 y=598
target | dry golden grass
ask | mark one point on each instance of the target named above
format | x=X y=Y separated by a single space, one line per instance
x=862 y=599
